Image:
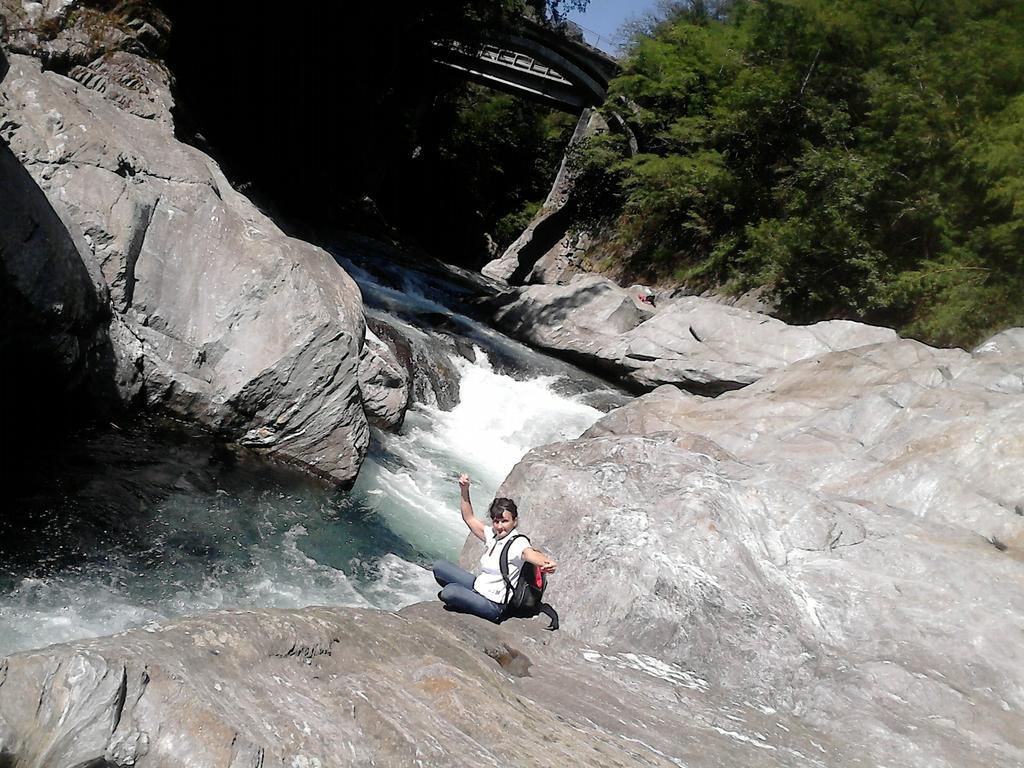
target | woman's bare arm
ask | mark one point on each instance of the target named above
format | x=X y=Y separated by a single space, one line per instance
x=538 y=558
x=466 y=507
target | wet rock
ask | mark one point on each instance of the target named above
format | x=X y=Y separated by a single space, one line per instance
x=383 y=383
x=436 y=379
x=426 y=358
x=214 y=314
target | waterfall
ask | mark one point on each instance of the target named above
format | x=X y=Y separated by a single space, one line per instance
x=133 y=525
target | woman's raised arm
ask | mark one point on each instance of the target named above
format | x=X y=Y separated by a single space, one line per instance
x=466 y=507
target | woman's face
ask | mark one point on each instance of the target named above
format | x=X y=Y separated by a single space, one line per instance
x=502 y=525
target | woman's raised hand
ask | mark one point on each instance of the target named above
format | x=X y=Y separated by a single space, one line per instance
x=464 y=481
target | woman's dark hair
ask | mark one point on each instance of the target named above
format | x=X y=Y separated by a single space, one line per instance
x=500 y=505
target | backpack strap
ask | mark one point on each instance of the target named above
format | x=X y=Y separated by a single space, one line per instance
x=552 y=614
x=503 y=564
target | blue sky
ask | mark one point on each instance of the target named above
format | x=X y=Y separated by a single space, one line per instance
x=604 y=17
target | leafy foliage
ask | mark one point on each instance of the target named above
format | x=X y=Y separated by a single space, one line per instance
x=486 y=162
x=863 y=158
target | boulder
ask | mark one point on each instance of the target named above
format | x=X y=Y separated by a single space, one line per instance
x=692 y=342
x=901 y=424
x=213 y=313
x=1009 y=342
x=383 y=384
x=54 y=303
x=563 y=261
x=841 y=540
x=347 y=687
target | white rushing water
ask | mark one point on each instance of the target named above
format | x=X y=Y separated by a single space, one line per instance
x=236 y=537
x=497 y=420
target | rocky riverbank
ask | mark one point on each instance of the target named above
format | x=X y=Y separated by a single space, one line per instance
x=692 y=342
x=823 y=568
x=353 y=687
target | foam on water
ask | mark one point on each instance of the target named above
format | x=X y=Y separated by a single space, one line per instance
x=168 y=531
x=411 y=481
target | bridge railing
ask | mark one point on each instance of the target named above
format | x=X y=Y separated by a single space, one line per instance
x=596 y=40
x=521 y=61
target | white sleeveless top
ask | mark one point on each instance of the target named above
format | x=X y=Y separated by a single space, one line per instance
x=489 y=583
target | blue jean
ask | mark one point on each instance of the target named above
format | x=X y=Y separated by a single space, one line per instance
x=457 y=592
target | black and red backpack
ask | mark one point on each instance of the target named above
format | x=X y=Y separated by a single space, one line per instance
x=524 y=599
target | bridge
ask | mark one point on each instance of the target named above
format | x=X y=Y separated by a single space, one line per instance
x=544 y=64
x=537 y=62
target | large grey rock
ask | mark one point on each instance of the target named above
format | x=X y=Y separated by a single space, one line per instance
x=691 y=342
x=936 y=431
x=1009 y=342
x=51 y=296
x=352 y=687
x=841 y=539
x=221 y=317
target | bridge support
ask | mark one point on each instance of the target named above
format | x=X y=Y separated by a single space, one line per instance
x=547 y=236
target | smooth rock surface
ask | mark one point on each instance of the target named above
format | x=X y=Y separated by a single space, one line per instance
x=351 y=687
x=843 y=539
x=222 y=318
x=694 y=343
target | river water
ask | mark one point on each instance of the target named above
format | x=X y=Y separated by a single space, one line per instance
x=127 y=524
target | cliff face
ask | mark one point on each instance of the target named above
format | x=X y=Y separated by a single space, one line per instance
x=170 y=286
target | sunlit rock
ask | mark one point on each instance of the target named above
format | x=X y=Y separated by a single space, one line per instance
x=694 y=343
x=842 y=538
x=350 y=687
x=214 y=314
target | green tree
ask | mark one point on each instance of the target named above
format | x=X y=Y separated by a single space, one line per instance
x=861 y=158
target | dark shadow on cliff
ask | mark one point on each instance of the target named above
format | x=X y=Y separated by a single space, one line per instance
x=337 y=117
x=53 y=315
x=312 y=108
x=546 y=235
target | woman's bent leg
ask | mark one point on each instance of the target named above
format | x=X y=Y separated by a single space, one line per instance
x=446 y=573
x=464 y=600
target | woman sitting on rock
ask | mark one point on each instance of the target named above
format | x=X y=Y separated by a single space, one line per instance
x=485 y=595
